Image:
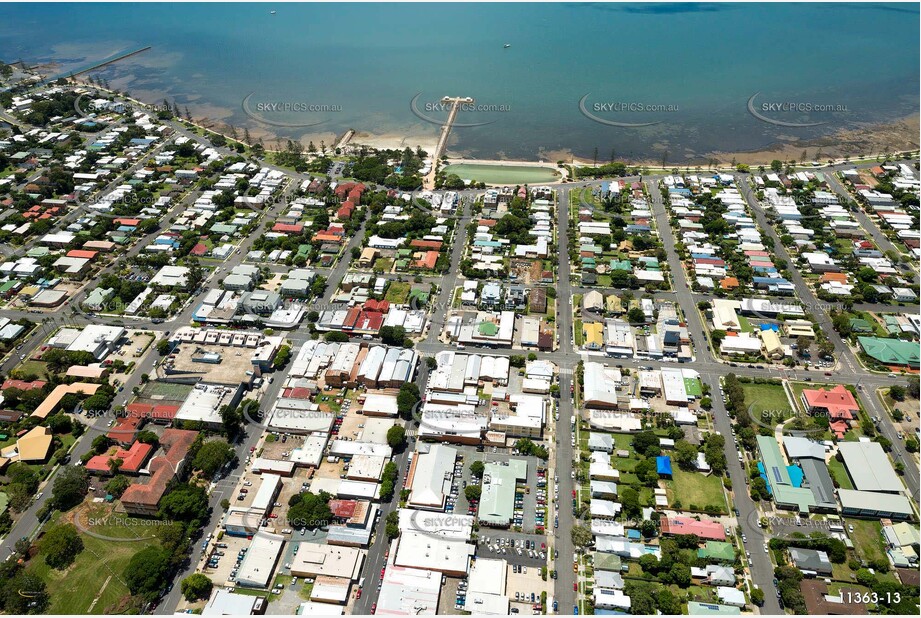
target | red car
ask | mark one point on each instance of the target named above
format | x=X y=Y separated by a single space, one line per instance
x=382 y=572
x=273 y=516
x=575 y=587
x=373 y=608
x=358 y=594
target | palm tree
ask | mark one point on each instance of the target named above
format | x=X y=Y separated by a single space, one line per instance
x=115 y=463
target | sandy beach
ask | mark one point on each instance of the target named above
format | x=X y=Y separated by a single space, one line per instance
x=863 y=142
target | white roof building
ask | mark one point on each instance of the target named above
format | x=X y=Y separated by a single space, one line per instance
x=259 y=562
x=430 y=477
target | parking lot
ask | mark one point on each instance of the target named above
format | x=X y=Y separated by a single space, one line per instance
x=516 y=548
x=526 y=511
x=522 y=587
x=220 y=568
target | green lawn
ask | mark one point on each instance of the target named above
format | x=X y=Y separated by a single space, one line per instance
x=837 y=468
x=397 y=292
x=745 y=325
x=695 y=488
x=383 y=264
x=768 y=402
x=623 y=442
x=868 y=538
x=329 y=401
x=31 y=367
x=98 y=569
x=578 y=334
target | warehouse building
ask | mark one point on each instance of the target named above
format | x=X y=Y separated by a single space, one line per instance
x=497 y=502
x=260 y=560
x=869 y=467
x=429 y=477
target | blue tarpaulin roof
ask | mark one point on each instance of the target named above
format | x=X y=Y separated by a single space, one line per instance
x=664 y=464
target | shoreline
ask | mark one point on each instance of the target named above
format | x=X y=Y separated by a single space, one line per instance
x=864 y=143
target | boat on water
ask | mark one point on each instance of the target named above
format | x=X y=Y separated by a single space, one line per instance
x=272 y=12
x=507 y=45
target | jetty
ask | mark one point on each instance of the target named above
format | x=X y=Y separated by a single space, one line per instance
x=455 y=102
x=98 y=65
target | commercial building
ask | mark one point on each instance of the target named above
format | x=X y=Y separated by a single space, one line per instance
x=204 y=403
x=875 y=505
x=892 y=352
x=486 y=588
x=837 y=403
x=869 y=467
x=786 y=494
x=316 y=560
x=523 y=417
x=429 y=477
x=260 y=560
x=223 y=602
x=98 y=339
x=433 y=551
x=409 y=592
x=497 y=501
x=601 y=384
x=810 y=456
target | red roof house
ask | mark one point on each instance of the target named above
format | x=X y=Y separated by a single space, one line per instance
x=381 y=306
x=435 y=245
x=345 y=211
x=709 y=530
x=133 y=459
x=343 y=509
x=838 y=403
x=82 y=253
x=426 y=260
x=288 y=228
x=143 y=498
x=22 y=385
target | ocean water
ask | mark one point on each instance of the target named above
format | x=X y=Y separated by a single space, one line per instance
x=317 y=70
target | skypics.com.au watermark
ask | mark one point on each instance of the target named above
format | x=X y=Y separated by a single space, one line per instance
x=789 y=113
x=772 y=310
x=88 y=107
x=441 y=525
x=794 y=422
x=136 y=529
x=465 y=106
x=278 y=113
x=624 y=113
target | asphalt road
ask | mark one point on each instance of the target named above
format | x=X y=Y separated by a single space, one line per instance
x=564 y=452
x=882 y=241
x=762 y=571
